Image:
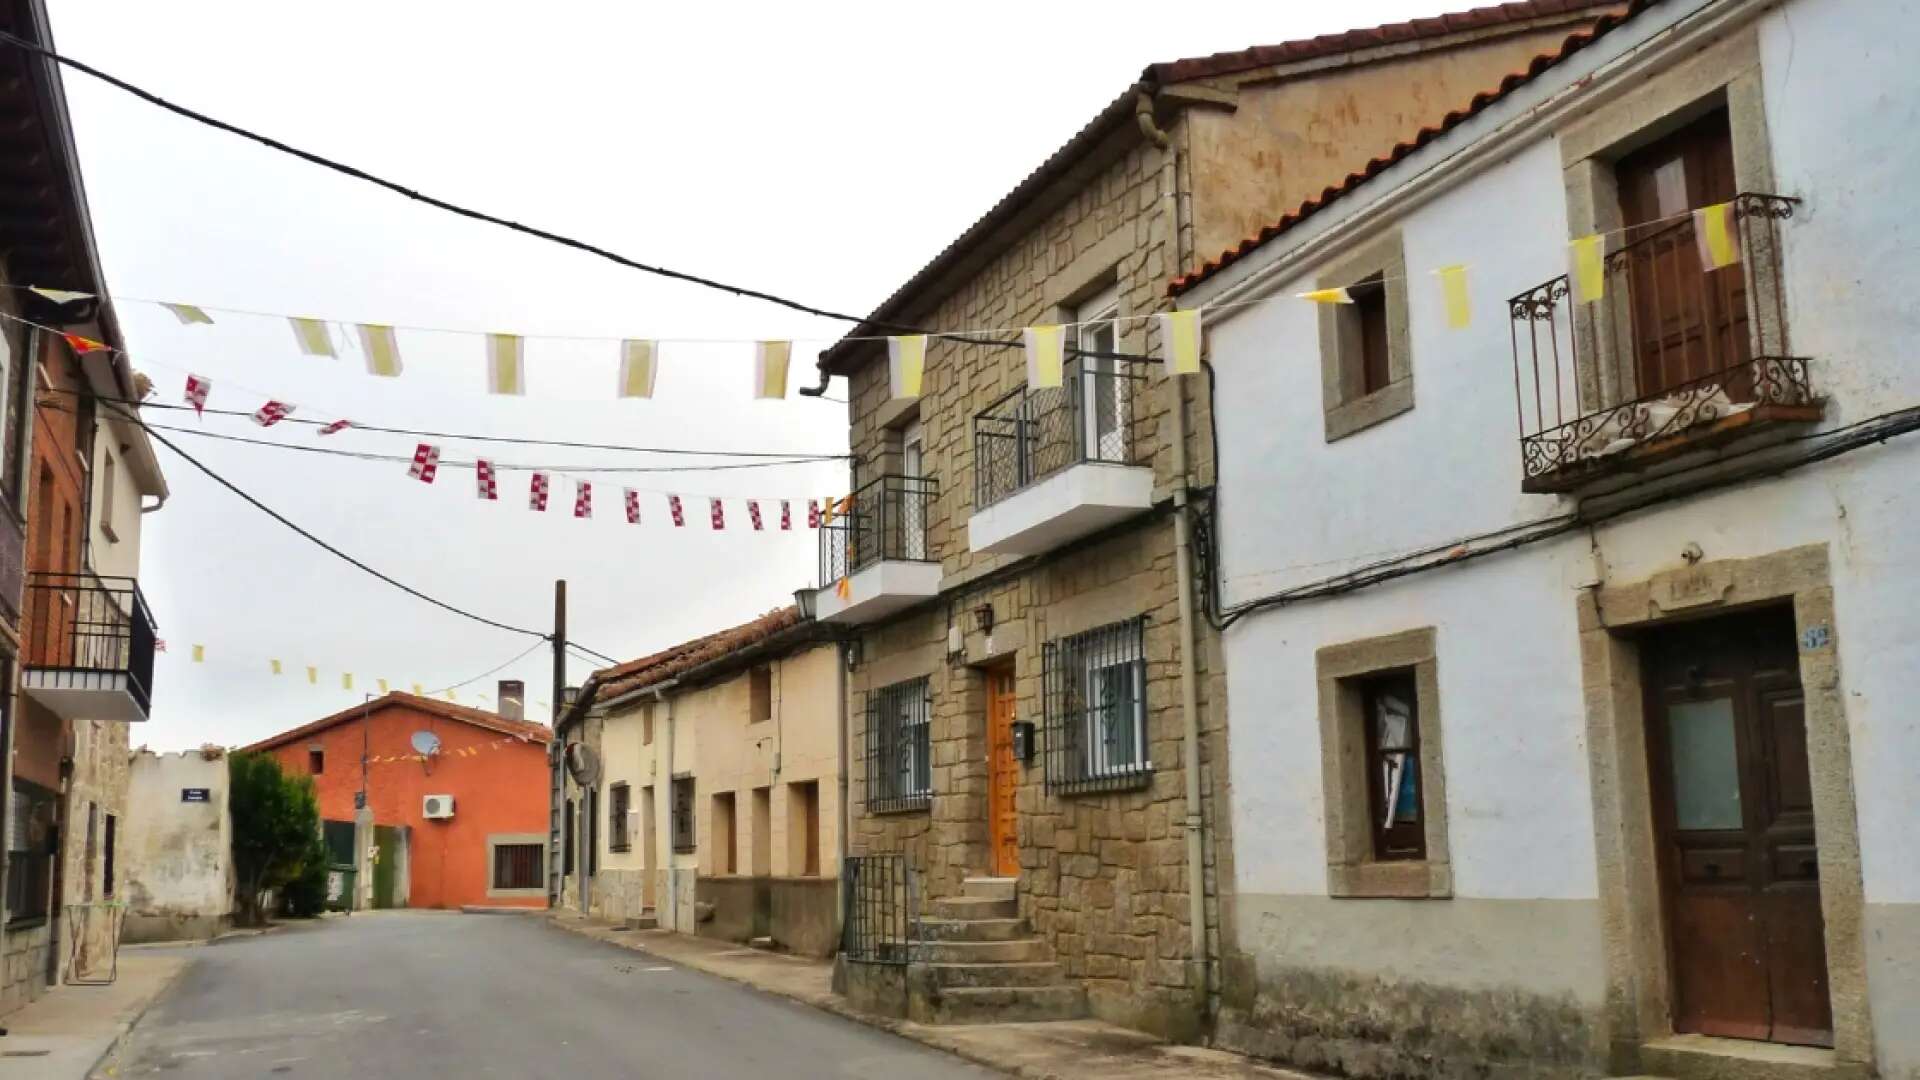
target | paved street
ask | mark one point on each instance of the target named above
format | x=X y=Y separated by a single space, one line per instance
x=419 y=994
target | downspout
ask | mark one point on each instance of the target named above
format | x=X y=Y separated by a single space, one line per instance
x=841 y=847
x=673 y=872
x=1183 y=574
x=820 y=390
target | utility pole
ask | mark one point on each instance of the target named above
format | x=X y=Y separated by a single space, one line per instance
x=556 y=859
x=559 y=649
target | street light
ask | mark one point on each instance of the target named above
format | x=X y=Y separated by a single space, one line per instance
x=807 y=600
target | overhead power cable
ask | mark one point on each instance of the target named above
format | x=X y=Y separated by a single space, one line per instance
x=473 y=214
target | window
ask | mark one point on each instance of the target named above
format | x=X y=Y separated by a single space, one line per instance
x=316 y=760
x=517 y=866
x=1381 y=767
x=1104 y=389
x=1366 y=366
x=803 y=828
x=1096 y=709
x=619 y=798
x=899 y=766
x=682 y=810
x=761 y=834
x=107 y=470
x=32 y=840
x=106 y=874
x=566 y=853
x=16 y=343
x=722 y=831
x=760 y=695
x=1392 y=719
x=646 y=724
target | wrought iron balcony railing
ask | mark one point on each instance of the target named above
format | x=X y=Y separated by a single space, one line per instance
x=885 y=519
x=1670 y=349
x=1028 y=435
x=84 y=632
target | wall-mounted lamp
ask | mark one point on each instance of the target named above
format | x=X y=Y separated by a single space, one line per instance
x=852 y=649
x=983 y=618
x=808 y=601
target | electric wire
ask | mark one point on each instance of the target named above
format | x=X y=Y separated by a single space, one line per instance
x=495 y=670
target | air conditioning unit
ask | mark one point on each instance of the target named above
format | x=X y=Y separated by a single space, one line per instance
x=437 y=806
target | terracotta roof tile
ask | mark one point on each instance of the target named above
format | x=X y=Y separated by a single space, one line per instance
x=479 y=718
x=1540 y=64
x=684 y=657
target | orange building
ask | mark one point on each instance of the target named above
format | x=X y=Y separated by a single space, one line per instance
x=465 y=824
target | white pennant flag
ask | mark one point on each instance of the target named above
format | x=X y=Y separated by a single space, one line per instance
x=906 y=365
x=770 y=368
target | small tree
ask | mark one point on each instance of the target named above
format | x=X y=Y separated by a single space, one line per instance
x=276 y=827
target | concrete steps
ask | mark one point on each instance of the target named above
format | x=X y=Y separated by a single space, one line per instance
x=972 y=929
x=1019 y=973
x=1008 y=1005
x=979 y=963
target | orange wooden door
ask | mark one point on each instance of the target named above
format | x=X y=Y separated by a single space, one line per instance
x=1002 y=820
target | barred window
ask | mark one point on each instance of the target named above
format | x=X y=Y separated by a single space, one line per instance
x=899 y=758
x=1096 y=709
x=682 y=813
x=619 y=801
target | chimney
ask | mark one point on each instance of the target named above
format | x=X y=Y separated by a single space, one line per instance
x=513 y=699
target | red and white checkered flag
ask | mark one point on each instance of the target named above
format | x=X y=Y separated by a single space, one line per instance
x=159 y=644
x=673 y=507
x=633 y=506
x=582 y=499
x=786 y=516
x=198 y=386
x=336 y=427
x=813 y=514
x=485 y=485
x=753 y=514
x=272 y=413
x=537 y=492
x=716 y=513
x=426 y=463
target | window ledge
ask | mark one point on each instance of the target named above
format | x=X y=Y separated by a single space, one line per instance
x=28 y=923
x=1132 y=780
x=1408 y=880
x=906 y=804
x=1350 y=417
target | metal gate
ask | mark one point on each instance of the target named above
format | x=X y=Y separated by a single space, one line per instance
x=877 y=925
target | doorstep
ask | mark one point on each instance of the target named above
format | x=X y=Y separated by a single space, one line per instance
x=1704 y=1057
x=1064 y=1049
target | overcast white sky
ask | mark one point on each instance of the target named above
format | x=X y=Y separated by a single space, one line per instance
x=822 y=151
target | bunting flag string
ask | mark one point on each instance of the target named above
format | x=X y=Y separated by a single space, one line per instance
x=813 y=514
x=272 y=413
x=537 y=492
x=632 y=500
x=716 y=514
x=1453 y=291
x=506 y=365
x=673 y=510
x=1589 y=268
x=486 y=487
x=637 y=368
x=335 y=428
x=383 y=352
x=786 y=516
x=198 y=387
x=188 y=314
x=1717 y=235
x=426 y=463
x=1046 y=355
x=906 y=364
x=1327 y=296
x=753 y=513
x=312 y=336
x=583 y=499
x=1180 y=332
x=770 y=368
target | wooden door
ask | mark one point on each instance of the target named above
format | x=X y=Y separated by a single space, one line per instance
x=1002 y=819
x=1734 y=814
x=1687 y=323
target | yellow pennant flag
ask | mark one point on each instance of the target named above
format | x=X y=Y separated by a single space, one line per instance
x=383 y=685
x=1180 y=337
x=188 y=314
x=770 y=368
x=199 y=654
x=450 y=696
x=637 y=368
x=59 y=296
x=275 y=665
x=1453 y=290
x=416 y=691
x=1046 y=354
x=906 y=365
x=1589 y=268
x=506 y=365
x=1327 y=296
x=1713 y=227
x=313 y=675
x=312 y=336
x=843 y=588
x=383 y=352
x=346 y=680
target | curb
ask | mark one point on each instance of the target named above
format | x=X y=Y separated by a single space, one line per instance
x=134 y=1021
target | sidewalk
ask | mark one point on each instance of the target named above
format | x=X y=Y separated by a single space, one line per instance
x=1062 y=1050
x=70 y=1029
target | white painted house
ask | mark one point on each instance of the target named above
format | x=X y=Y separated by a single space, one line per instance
x=1573 y=652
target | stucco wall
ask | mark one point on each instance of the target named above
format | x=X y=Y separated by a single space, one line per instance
x=176 y=857
x=1523 y=932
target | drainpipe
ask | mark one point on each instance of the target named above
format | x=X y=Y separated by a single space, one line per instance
x=820 y=390
x=673 y=872
x=841 y=845
x=1183 y=570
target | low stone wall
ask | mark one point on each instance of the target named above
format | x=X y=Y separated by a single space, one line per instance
x=879 y=989
x=26 y=965
x=801 y=915
x=619 y=894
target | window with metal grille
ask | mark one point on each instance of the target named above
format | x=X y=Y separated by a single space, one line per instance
x=683 y=813
x=899 y=757
x=517 y=866
x=32 y=839
x=1095 y=685
x=619 y=801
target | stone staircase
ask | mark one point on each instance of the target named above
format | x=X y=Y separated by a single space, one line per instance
x=978 y=962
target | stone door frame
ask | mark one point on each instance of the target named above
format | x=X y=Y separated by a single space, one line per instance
x=1639 y=990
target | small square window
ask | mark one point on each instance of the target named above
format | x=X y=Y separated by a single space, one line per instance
x=1366 y=362
x=316 y=761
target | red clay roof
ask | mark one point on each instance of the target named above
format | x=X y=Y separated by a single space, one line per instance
x=479 y=718
x=1540 y=64
x=684 y=657
x=1120 y=112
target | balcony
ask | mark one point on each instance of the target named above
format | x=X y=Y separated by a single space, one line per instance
x=1056 y=464
x=1673 y=359
x=88 y=647
x=874 y=556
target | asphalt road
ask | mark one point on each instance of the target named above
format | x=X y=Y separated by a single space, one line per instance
x=422 y=994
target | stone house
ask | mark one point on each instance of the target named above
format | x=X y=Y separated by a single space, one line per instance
x=76 y=651
x=1576 y=636
x=704 y=784
x=1037 y=706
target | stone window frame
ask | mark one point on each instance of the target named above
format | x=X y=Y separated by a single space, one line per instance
x=1639 y=975
x=497 y=840
x=1352 y=869
x=1725 y=75
x=1349 y=410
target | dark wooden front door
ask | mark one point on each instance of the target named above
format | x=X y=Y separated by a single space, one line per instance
x=1003 y=823
x=1734 y=812
x=1687 y=322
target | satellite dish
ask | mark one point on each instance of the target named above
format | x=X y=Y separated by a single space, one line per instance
x=583 y=763
x=426 y=743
